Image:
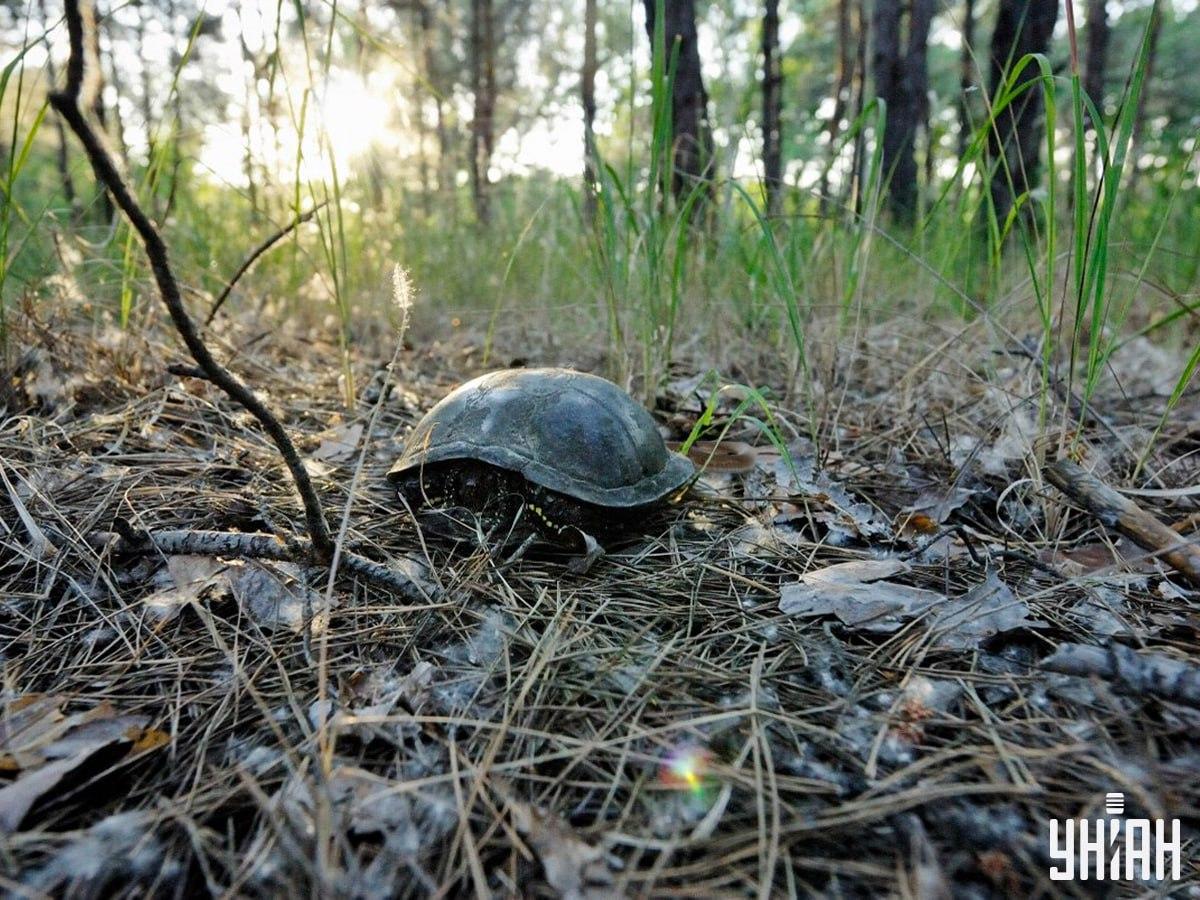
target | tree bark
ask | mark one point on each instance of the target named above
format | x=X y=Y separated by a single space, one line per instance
x=966 y=78
x=247 y=133
x=841 y=91
x=435 y=89
x=1095 y=62
x=691 y=137
x=144 y=78
x=95 y=95
x=177 y=130
x=1139 y=119
x=483 y=86
x=772 y=98
x=854 y=183
x=61 y=157
x=587 y=90
x=901 y=80
x=1022 y=27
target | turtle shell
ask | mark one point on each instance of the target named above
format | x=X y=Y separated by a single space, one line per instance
x=569 y=432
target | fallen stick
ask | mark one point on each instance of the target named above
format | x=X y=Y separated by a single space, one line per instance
x=1141 y=527
x=257 y=546
x=1151 y=673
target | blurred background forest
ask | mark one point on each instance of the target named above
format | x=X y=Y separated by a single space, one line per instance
x=544 y=176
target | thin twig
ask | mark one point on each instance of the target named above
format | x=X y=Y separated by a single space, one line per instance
x=66 y=103
x=255 y=254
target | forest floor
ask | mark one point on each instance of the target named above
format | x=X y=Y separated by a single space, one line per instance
x=709 y=711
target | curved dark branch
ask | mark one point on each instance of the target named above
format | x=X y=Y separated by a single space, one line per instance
x=66 y=103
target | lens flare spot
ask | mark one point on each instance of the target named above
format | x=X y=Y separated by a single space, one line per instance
x=685 y=768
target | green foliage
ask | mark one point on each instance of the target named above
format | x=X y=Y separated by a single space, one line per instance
x=653 y=277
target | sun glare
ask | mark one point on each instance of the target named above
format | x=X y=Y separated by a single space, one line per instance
x=343 y=117
x=354 y=115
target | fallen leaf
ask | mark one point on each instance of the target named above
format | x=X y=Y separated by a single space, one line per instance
x=18 y=798
x=45 y=746
x=938 y=503
x=857 y=594
x=317 y=469
x=30 y=721
x=276 y=596
x=720 y=456
x=338 y=443
x=988 y=609
x=574 y=868
x=190 y=576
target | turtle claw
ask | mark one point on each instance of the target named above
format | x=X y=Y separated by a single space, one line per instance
x=592 y=552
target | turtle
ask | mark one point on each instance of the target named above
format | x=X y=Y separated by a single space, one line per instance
x=546 y=454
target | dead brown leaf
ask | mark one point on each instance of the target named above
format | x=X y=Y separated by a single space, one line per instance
x=574 y=868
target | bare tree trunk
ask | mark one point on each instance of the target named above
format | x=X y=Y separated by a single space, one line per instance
x=144 y=73
x=854 y=184
x=435 y=89
x=841 y=92
x=692 y=147
x=483 y=85
x=96 y=100
x=247 y=128
x=1139 y=120
x=901 y=80
x=587 y=90
x=424 y=88
x=61 y=158
x=966 y=78
x=1095 y=62
x=772 y=98
x=176 y=128
x=1022 y=27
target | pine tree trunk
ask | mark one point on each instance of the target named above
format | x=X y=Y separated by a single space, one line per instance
x=587 y=90
x=483 y=86
x=966 y=78
x=692 y=148
x=1139 y=119
x=841 y=92
x=901 y=81
x=176 y=133
x=246 y=122
x=854 y=184
x=1014 y=144
x=92 y=35
x=1095 y=62
x=61 y=158
x=772 y=97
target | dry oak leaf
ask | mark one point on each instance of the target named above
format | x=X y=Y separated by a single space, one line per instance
x=43 y=745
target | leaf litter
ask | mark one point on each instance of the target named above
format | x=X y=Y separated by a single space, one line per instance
x=509 y=736
x=274 y=594
x=860 y=595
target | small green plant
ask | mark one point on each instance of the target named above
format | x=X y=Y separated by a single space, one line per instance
x=18 y=155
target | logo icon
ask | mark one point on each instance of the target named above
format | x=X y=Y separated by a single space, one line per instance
x=1115 y=848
